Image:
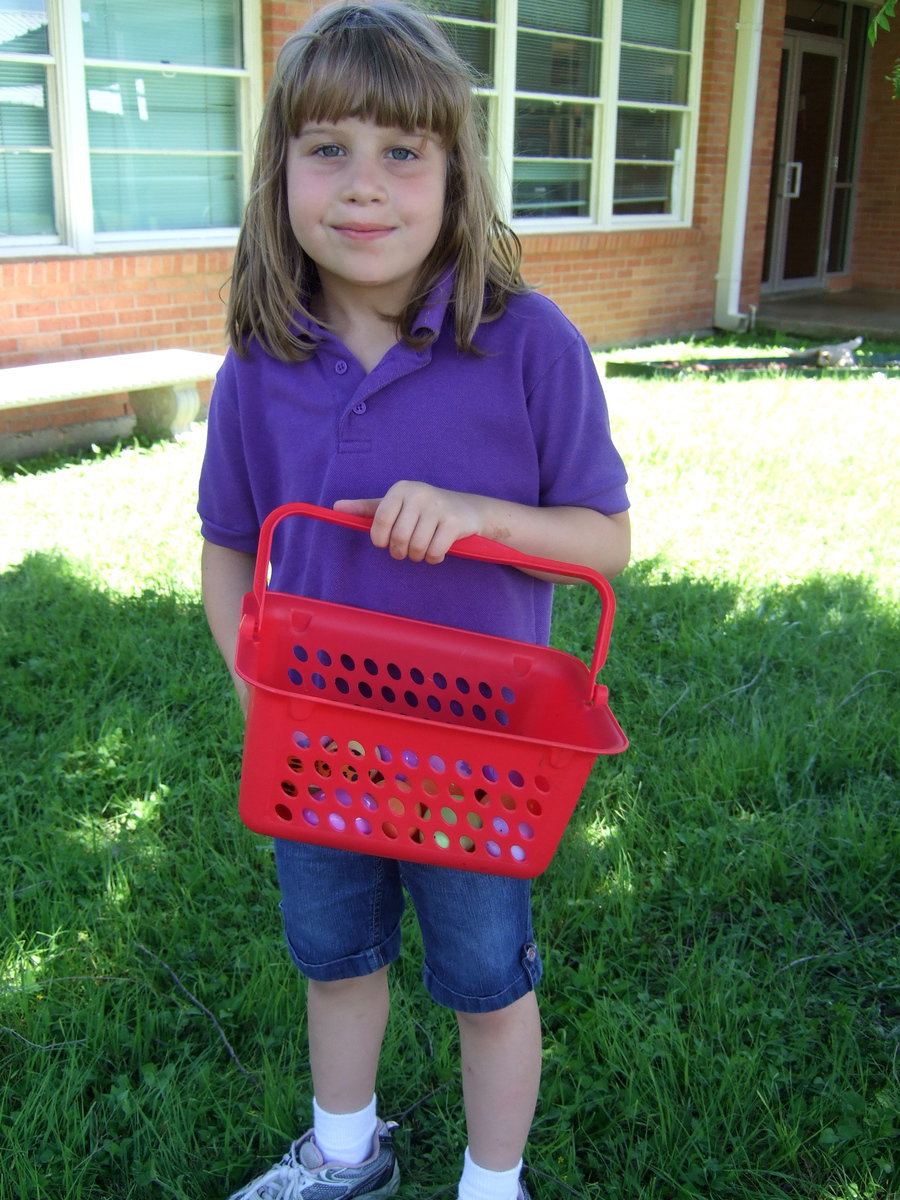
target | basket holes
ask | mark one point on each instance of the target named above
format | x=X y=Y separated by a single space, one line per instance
x=481 y=796
x=318 y=680
x=356 y=748
x=526 y=831
x=416 y=835
x=336 y=821
x=350 y=773
x=310 y=817
x=440 y=681
x=493 y=849
x=486 y=690
x=517 y=779
x=508 y=802
x=347 y=663
x=342 y=685
x=474 y=820
x=316 y=793
x=402 y=782
x=542 y=784
x=383 y=754
x=449 y=816
x=395 y=804
x=508 y=695
x=490 y=773
x=442 y=840
x=534 y=808
x=462 y=768
x=376 y=777
x=411 y=699
x=479 y=713
x=343 y=797
x=371 y=666
x=429 y=787
x=369 y=802
x=437 y=763
x=363 y=826
x=456 y=793
x=295 y=764
x=463 y=686
x=389 y=830
x=434 y=704
x=410 y=758
x=302 y=740
x=389 y=694
x=466 y=843
x=289 y=789
x=323 y=768
x=295 y=677
x=394 y=671
x=501 y=716
x=416 y=676
x=284 y=812
x=301 y=654
x=328 y=743
x=500 y=826
x=517 y=853
x=456 y=708
x=324 y=657
x=423 y=812
x=365 y=690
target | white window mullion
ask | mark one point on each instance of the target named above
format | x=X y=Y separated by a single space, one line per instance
x=72 y=164
x=505 y=84
x=605 y=143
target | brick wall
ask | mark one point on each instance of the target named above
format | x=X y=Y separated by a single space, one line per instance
x=875 y=254
x=57 y=309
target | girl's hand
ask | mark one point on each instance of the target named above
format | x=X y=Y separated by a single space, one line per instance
x=418 y=521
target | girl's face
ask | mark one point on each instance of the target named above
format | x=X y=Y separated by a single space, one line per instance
x=366 y=203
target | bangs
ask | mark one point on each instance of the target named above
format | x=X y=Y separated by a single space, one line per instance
x=368 y=72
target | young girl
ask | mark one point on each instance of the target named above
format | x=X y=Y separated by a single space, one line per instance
x=386 y=359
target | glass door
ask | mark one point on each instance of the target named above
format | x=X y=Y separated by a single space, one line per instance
x=803 y=167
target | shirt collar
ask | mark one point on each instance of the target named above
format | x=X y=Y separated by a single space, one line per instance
x=431 y=318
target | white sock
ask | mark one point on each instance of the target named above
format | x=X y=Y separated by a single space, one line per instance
x=477 y=1183
x=345 y=1137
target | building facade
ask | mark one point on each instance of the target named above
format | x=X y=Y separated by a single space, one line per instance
x=665 y=163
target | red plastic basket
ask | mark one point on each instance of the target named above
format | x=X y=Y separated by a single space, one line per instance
x=391 y=736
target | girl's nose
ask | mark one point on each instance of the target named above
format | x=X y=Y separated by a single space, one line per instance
x=364 y=181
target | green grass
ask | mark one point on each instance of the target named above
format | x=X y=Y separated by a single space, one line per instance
x=720 y=925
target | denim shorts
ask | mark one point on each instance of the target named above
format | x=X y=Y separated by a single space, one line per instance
x=342 y=915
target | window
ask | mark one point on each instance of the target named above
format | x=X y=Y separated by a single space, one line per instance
x=591 y=105
x=123 y=124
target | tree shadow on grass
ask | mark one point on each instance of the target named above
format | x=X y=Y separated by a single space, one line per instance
x=730 y=884
x=718 y=924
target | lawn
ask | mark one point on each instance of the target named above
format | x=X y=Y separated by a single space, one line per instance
x=720 y=924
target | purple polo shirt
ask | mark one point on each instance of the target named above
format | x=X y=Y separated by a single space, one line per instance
x=525 y=420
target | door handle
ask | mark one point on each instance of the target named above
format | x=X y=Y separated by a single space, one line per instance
x=793 y=179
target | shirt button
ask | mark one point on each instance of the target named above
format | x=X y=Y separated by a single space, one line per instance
x=359 y=408
x=341 y=367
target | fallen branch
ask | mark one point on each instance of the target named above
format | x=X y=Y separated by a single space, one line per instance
x=211 y=1016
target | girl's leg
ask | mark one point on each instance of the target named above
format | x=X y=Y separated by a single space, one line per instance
x=501 y=1067
x=346 y=1020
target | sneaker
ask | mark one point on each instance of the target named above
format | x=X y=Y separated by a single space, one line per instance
x=304 y=1175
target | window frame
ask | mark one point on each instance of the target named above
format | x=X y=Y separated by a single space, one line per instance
x=66 y=66
x=501 y=104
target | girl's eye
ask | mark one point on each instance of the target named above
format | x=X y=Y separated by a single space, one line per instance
x=329 y=151
x=402 y=154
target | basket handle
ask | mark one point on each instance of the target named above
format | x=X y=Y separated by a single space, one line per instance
x=475 y=546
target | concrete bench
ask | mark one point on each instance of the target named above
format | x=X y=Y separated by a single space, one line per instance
x=161 y=384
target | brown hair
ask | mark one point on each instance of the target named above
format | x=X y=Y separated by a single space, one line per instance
x=386 y=62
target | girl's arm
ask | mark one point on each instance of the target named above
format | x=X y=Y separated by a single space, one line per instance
x=420 y=522
x=226 y=576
